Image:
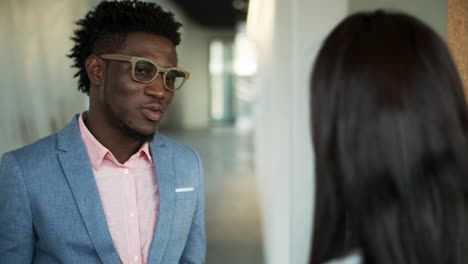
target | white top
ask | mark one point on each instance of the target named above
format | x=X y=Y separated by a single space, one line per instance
x=353 y=258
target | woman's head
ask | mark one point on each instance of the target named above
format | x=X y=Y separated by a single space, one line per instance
x=390 y=130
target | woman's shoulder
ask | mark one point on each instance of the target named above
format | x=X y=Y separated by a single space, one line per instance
x=353 y=258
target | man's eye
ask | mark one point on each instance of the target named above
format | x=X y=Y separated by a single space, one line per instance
x=170 y=77
x=141 y=70
x=144 y=69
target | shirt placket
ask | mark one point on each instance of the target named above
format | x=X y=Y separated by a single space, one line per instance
x=132 y=217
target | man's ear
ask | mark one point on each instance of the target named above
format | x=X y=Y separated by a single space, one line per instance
x=95 y=69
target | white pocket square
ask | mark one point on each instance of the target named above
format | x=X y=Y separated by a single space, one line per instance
x=188 y=189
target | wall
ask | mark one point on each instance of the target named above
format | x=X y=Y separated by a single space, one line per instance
x=457 y=36
x=38 y=94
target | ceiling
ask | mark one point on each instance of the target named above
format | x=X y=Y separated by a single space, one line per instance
x=215 y=13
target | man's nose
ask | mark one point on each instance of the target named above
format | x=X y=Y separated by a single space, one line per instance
x=156 y=87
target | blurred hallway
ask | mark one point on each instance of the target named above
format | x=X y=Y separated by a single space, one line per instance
x=232 y=208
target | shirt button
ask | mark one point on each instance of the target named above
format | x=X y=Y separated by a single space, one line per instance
x=126 y=171
x=131 y=213
x=135 y=258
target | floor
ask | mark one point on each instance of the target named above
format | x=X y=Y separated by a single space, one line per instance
x=233 y=223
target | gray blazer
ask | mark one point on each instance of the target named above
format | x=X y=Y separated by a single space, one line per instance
x=50 y=209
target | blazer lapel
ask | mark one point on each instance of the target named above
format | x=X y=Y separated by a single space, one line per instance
x=77 y=169
x=162 y=157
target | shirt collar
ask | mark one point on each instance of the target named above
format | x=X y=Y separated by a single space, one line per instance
x=97 y=152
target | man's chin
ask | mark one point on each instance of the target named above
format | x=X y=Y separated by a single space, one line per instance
x=140 y=136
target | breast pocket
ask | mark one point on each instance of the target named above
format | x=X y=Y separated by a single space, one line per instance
x=185 y=193
x=185 y=205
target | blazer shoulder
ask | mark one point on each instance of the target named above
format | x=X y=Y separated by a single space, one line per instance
x=186 y=162
x=45 y=147
x=35 y=150
x=181 y=149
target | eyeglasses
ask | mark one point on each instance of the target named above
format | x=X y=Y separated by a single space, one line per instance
x=145 y=71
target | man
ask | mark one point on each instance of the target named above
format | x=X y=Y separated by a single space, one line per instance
x=107 y=188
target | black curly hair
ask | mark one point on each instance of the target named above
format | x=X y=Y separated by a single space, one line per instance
x=104 y=29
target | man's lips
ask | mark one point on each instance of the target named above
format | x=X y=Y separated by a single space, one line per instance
x=152 y=112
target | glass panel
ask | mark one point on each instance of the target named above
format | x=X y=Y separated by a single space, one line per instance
x=221 y=82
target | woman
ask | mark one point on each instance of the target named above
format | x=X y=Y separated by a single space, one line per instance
x=390 y=134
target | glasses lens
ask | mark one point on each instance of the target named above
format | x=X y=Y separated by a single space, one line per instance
x=174 y=79
x=144 y=71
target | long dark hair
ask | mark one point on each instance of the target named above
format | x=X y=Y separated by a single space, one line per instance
x=390 y=134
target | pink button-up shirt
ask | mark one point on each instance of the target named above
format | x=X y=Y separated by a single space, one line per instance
x=129 y=195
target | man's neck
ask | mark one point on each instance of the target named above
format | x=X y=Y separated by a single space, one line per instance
x=119 y=144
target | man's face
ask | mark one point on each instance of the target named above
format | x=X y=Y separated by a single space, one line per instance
x=132 y=107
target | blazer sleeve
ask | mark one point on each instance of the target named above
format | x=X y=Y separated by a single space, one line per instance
x=16 y=230
x=195 y=248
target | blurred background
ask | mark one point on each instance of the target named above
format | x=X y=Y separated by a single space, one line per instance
x=245 y=108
